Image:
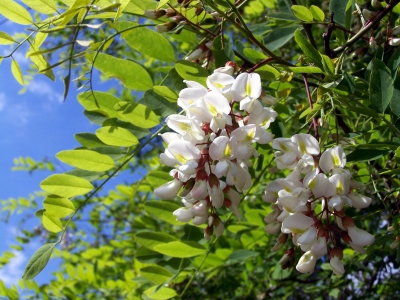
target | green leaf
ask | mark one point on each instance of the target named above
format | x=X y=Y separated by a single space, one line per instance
x=15 y=12
x=254 y=55
x=163 y=210
x=191 y=71
x=242 y=255
x=51 y=223
x=395 y=101
x=163 y=293
x=308 y=49
x=279 y=37
x=6 y=39
x=162 y=3
x=365 y=155
x=116 y=136
x=86 y=160
x=137 y=114
x=58 y=206
x=88 y=140
x=394 y=62
x=342 y=10
x=317 y=13
x=176 y=79
x=222 y=53
x=158 y=104
x=148 y=256
x=282 y=16
x=131 y=74
x=151 y=43
x=151 y=239
x=16 y=71
x=380 y=86
x=157 y=178
x=328 y=65
x=99 y=102
x=156 y=274
x=180 y=249
x=38 y=261
x=66 y=185
x=268 y=72
x=304 y=69
x=42 y=6
x=88 y=175
x=166 y=92
x=313 y=113
x=302 y=12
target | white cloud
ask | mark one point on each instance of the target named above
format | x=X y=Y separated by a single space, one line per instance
x=3 y=101
x=42 y=88
x=13 y=271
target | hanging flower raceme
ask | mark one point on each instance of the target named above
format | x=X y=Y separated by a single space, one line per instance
x=315 y=178
x=212 y=145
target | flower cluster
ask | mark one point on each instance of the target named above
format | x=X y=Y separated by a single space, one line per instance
x=314 y=179
x=211 y=147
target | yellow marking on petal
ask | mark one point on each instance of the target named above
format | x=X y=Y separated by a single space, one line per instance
x=250 y=135
x=218 y=85
x=180 y=158
x=185 y=127
x=265 y=122
x=248 y=88
x=212 y=109
x=283 y=147
x=228 y=151
x=312 y=183
x=302 y=147
x=297 y=230
x=336 y=159
x=339 y=187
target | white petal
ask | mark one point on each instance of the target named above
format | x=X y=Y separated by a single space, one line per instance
x=360 y=237
x=307 y=262
x=169 y=190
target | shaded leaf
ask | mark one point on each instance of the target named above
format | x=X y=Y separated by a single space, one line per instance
x=163 y=210
x=308 y=49
x=99 y=102
x=38 y=261
x=151 y=239
x=278 y=38
x=365 y=155
x=242 y=255
x=191 y=71
x=380 y=86
x=302 y=12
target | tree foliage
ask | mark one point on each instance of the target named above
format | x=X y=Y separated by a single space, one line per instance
x=332 y=66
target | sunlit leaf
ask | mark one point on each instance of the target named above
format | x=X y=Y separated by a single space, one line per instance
x=66 y=185
x=58 y=206
x=180 y=249
x=131 y=74
x=86 y=160
x=16 y=71
x=116 y=136
x=15 y=12
x=51 y=223
x=137 y=114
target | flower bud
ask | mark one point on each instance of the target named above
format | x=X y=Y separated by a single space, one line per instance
x=307 y=263
x=170 y=13
x=369 y=15
x=287 y=256
x=396 y=30
x=337 y=265
x=394 y=42
x=166 y=26
x=273 y=228
x=376 y=4
x=154 y=14
x=169 y=190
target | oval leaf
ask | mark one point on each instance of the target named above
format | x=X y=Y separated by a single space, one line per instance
x=163 y=210
x=42 y=6
x=86 y=160
x=137 y=114
x=302 y=12
x=151 y=43
x=15 y=12
x=16 y=71
x=180 y=249
x=38 y=261
x=5 y=38
x=380 y=86
x=116 y=136
x=66 y=185
x=99 y=102
x=51 y=223
x=317 y=13
x=131 y=74
x=191 y=71
x=156 y=274
x=150 y=239
x=58 y=206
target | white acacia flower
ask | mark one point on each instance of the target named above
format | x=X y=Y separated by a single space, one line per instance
x=307 y=262
x=332 y=158
x=297 y=223
x=246 y=85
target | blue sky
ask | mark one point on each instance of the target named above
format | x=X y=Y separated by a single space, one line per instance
x=37 y=124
